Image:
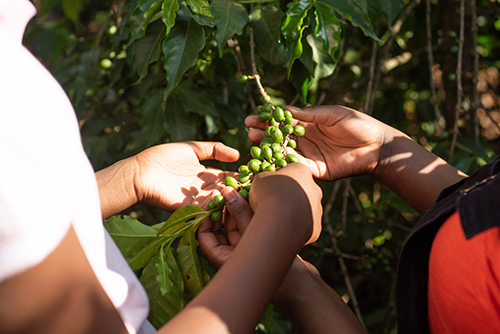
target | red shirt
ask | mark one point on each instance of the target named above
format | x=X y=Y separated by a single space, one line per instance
x=464 y=280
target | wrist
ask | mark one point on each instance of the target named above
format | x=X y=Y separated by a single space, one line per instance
x=117 y=189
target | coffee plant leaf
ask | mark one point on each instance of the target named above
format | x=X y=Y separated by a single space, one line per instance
x=190 y=263
x=129 y=234
x=142 y=258
x=327 y=29
x=266 y=22
x=137 y=19
x=151 y=14
x=200 y=7
x=231 y=17
x=352 y=12
x=169 y=8
x=163 y=306
x=177 y=122
x=147 y=50
x=181 y=48
x=181 y=215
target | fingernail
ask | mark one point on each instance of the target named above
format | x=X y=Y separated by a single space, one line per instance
x=229 y=194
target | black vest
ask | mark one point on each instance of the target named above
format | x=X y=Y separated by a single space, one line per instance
x=477 y=199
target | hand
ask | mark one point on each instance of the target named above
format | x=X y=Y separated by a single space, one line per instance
x=338 y=142
x=169 y=176
x=287 y=192
x=215 y=246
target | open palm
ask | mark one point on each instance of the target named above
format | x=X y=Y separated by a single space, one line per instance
x=339 y=141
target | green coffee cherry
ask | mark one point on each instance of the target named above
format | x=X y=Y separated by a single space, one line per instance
x=256 y=152
x=243 y=169
x=270 y=168
x=276 y=147
x=231 y=182
x=299 y=130
x=291 y=158
x=267 y=153
x=264 y=116
x=378 y=240
x=254 y=165
x=269 y=130
x=211 y=205
x=244 y=177
x=292 y=143
x=219 y=200
x=280 y=163
x=248 y=186
x=288 y=113
x=287 y=130
x=264 y=165
x=244 y=193
x=288 y=120
x=277 y=136
x=266 y=142
x=268 y=107
x=216 y=216
x=278 y=155
x=273 y=122
x=243 y=79
x=278 y=114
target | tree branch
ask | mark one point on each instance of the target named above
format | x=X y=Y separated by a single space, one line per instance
x=430 y=58
x=458 y=106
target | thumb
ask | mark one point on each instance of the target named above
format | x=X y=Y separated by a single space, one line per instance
x=238 y=208
x=214 y=150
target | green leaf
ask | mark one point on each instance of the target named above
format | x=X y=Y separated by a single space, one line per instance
x=141 y=259
x=162 y=307
x=195 y=100
x=190 y=263
x=351 y=11
x=169 y=8
x=327 y=29
x=150 y=13
x=266 y=22
x=231 y=17
x=164 y=272
x=153 y=116
x=146 y=50
x=392 y=8
x=129 y=234
x=72 y=9
x=177 y=121
x=184 y=213
x=292 y=29
x=200 y=7
x=181 y=48
x=137 y=19
x=204 y=20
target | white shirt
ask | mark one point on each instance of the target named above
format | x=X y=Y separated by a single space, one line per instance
x=46 y=181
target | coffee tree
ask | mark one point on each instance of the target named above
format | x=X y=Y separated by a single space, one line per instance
x=140 y=73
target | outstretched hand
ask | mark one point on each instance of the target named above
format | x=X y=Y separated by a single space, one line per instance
x=169 y=176
x=338 y=142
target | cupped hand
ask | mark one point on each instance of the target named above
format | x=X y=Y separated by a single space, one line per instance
x=292 y=192
x=339 y=141
x=169 y=176
x=214 y=245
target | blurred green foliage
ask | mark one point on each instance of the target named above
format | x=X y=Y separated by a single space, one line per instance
x=133 y=86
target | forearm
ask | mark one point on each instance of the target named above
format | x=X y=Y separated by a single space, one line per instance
x=116 y=187
x=313 y=307
x=236 y=298
x=414 y=173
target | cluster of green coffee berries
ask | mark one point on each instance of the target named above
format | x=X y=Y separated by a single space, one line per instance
x=269 y=156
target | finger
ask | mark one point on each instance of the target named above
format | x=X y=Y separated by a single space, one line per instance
x=327 y=115
x=252 y=121
x=214 y=150
x=233 y=233
x=256 y=135
x=238 y=208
